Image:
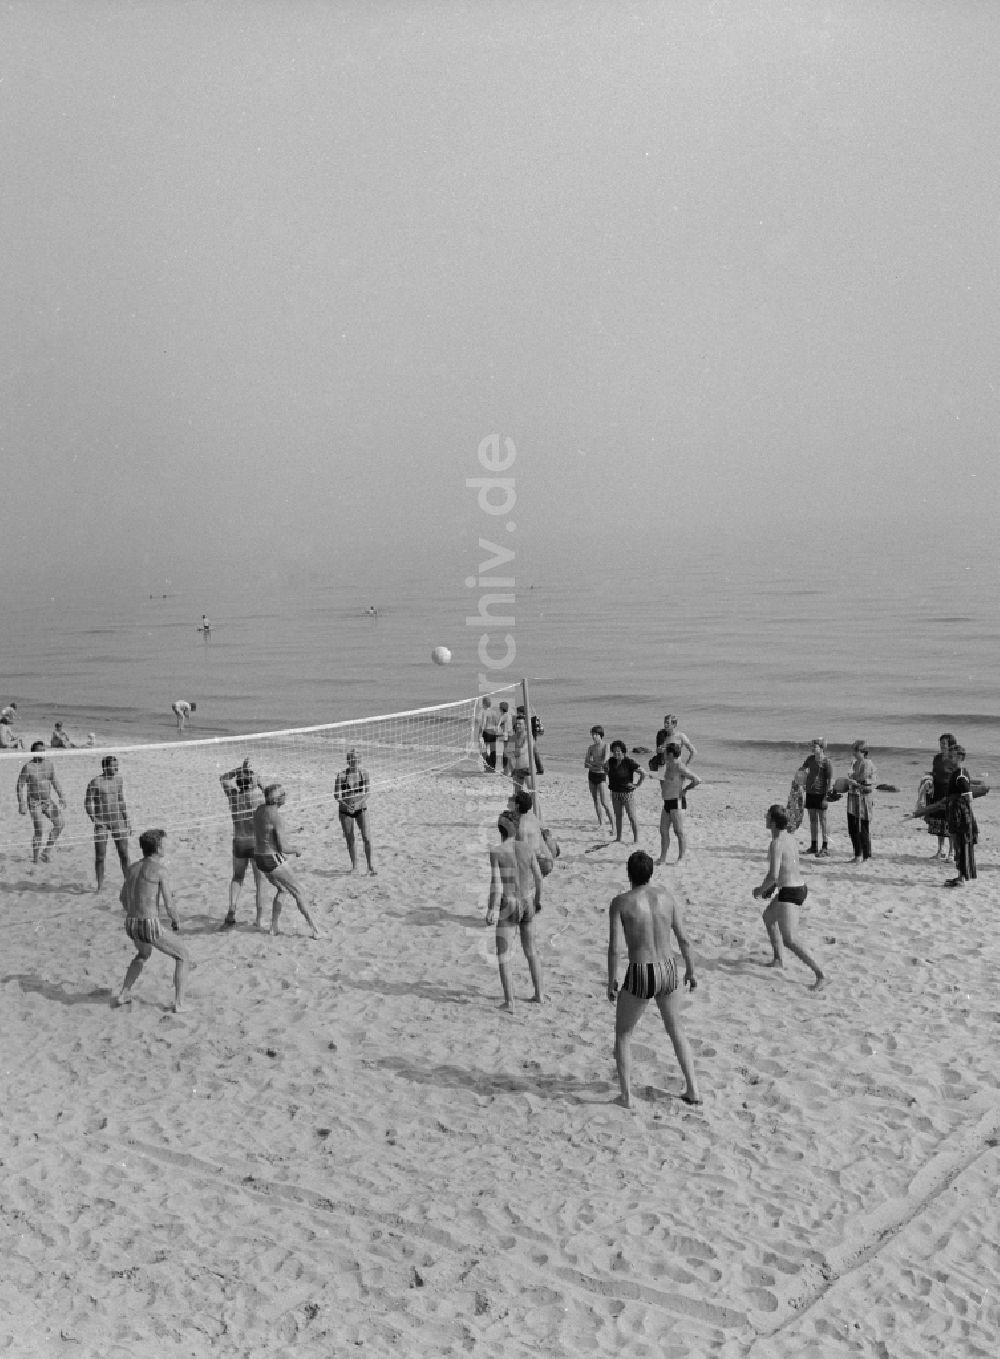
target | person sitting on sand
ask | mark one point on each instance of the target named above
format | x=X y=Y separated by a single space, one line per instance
x=244 y=794
x=59 y=740
x=350 y=788
x=270 y=848
x=783 y=874
x=594 y=762
x=8 y=739
x=104 y=803
x=35 y=785
x=145 y=886
x=622 y=783
x=515 y=899
x=182 y=710
x=675 y=780
x=647 y=915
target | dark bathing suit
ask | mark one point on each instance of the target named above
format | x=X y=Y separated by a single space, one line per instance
x=243 y=846
x=795 y=895
x=358 y=811
x=595 y=776
x=671 y=804
x=645 y=981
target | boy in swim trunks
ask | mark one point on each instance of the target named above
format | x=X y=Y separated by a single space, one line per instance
x=597 y=776
x=783 y=876
x=35 y=785
x=647 y=915
x=514 y=901
x=818 y=772
x=244 y=794
x=104 y=803
x=350 y=788
x=675 y=780
x=145 y=886
x=270 y=848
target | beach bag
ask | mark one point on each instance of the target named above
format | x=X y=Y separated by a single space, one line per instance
x=795 y=806
x=925 y=794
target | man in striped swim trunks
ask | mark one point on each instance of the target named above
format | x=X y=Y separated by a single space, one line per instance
x=270 y=848
x=144 y=888
x=647 y=915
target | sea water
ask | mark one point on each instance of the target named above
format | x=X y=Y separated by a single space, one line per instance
x=757 y=653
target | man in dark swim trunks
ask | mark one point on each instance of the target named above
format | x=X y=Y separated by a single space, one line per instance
x=647 y=915
x=36 y=785
x=104 y=803
x=594 y=762
x=270 y=848
x=244 y=794
x=783 y=875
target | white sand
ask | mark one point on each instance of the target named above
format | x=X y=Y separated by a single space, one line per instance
x=343 y=1147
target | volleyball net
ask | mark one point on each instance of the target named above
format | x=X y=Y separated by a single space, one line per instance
x=176 y=785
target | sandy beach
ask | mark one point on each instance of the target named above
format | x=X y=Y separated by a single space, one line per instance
x=344 y=1147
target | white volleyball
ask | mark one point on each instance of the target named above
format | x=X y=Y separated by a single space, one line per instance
x=440 y=655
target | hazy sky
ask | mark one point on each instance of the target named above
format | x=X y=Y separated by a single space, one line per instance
x=271 y=271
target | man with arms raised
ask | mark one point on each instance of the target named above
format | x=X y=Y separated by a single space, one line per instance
x=145 y=886
x=270 y=848
x=244 y=794
x=104 y=803
x=647 y=915
x=783 y=876
x=35 y=785
x=514 y=901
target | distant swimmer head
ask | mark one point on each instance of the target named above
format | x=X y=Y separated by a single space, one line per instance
x=639 y=868
x=151 y=841
x=274 y=794
x=109 y=764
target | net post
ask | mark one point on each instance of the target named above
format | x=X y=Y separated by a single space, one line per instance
x=531 y=750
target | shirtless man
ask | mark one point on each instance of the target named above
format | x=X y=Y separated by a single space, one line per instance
x=783 y=874
x=514 y=901
x=104 y=803
x=35 y=785
x=647 y=915
x=244 y=793
x=145 y=886
x=669 y=732
x=487 y=732
x=675 y=780
x=270 y=847
x=594 y=762
x=182 y=710
x=350 y=788
x=516 y=754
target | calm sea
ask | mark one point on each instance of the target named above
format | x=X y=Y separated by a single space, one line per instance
x=757 y=654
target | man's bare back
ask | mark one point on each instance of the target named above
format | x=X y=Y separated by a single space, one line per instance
x=783 y=861
x=648 y=916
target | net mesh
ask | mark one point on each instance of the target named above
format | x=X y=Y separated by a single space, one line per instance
x=176 y=785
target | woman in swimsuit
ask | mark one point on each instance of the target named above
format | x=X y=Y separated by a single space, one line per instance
x=594 y=762
x=351 y=792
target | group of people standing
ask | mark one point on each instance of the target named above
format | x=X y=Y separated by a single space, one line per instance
x=814 y=788
x=944 y=800
x=611 y=769
x=503 y=740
